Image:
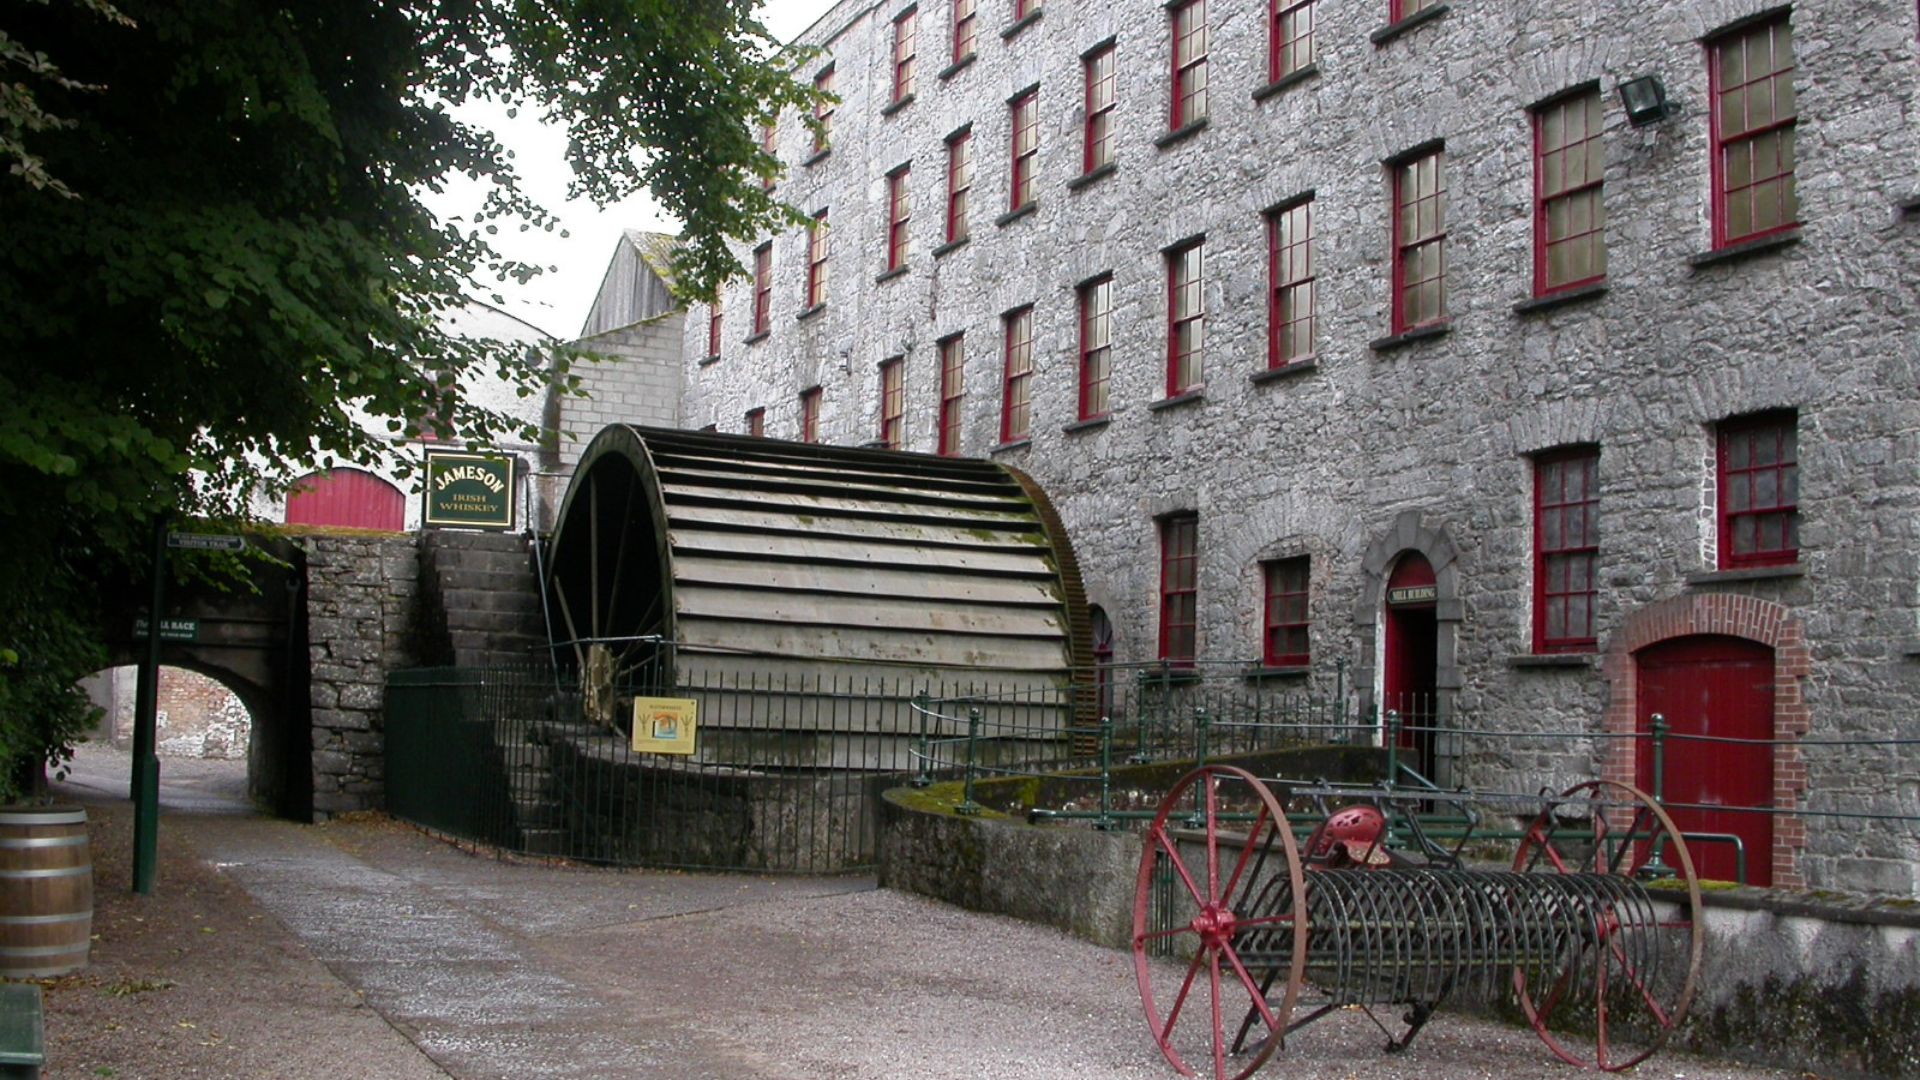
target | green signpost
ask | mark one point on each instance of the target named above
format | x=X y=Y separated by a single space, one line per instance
x=469 y=490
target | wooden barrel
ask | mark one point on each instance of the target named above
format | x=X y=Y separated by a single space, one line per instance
x=46 y=891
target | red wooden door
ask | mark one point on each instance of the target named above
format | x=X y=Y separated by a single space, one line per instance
x=347 y=497
x=1721 y=687
x=1408 y=675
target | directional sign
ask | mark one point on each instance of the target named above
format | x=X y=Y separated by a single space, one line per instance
x=170 y=629
x=206 y=541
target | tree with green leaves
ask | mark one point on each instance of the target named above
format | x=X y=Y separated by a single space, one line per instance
x=216 y=265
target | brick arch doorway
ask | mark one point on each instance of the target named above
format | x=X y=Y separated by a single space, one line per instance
x=1711 y=686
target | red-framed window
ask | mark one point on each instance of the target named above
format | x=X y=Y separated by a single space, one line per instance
x=959 y=182
x=1179 y=588
x=898 y=214
x=905 y=43
x=1102 y=96
x=713 y=329
x=953 y=392
x=1186 y=318
x=1189 y=64
x=823 y=111
x=810 y=414
x=1402 y=9
x=762 y=289
x=1290 y=276
x=965 y=29
x=1096 y=346
x=817 y=260
x=1024 y=8
x=1566 y=549
x=770 y=146
x=756 y=424
x=1759 y=494
x=1750 y=70
x=1285 y=626
x=1026 y=147
x=1289 y=37
x=1016 y=401
x=893 y=403
x=1569 y=217
x=1419 y=241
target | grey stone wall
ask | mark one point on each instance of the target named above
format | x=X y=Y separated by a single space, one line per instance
x=360 y=615
x=1331 y=461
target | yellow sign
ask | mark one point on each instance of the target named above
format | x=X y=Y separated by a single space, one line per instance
x=664 y=725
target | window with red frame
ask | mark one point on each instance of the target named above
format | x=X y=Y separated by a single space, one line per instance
x=1759 y=491
x=1186 y=319
x=1289 y=38
x=756 y=422
x=810 y=415
x=1284 y=640
x=1751 y=72
x=1189 y=64
x=953 y=391
x=1403 y=9
x=823 y=112
x=898 y=212
x=1096 y=345
x=905 y=42
x=1024 y=8
x=762 y=289
x=1419 y=242
x=769 y=145
x=1290 y=314
x=959 y=183
x=964 y=30
x=1102 y=95
x=893 y=402
x=1026 y=147
x=1566 y=549
x=1569 y=218
x=713 y=329
x=817 y=260
x=1179 y=588
x=1016 y=398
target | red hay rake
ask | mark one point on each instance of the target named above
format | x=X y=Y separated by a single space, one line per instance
x=1242 y=934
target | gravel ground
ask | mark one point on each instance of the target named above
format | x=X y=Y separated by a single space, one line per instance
x=366 y=949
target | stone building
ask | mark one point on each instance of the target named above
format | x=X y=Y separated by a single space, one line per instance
x=1381 y=335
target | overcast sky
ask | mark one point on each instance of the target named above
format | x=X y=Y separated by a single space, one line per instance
x=557 y=300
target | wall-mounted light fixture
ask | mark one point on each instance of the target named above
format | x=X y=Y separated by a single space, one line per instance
x=1645 y=100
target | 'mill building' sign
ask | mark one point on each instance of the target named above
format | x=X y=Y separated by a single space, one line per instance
x=469 y=491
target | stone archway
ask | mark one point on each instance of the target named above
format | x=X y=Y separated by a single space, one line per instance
x=1410 y=535
x=1747 y=618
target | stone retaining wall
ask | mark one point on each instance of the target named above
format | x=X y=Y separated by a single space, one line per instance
x=360 y=618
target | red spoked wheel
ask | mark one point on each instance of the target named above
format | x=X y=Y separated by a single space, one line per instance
x=1205 y=963
x=1618 y=944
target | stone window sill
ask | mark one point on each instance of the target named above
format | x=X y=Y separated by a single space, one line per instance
x=1012 y=216
x=1910 y=649
x=895 y=106
x=889 y=275
x=818 y=157
x=1198 y=393
x=1911 y=207
x=950 y=247
x=1785 y=572
x=1537 y=661
x=1287 y=82
x=1395 y=29
x=1408 y=337
x=1291 y=369
x=1010 y=31
x=1289 y=671
x=1590 y=291
x=1086 y=178
x=761 y=336
x=1745 y=249
x=1009 y=446
x=1091 y=423
x=809 y=313
x=709 y=361
x=1181 y=134
x=1169 y=676
x=956 y=67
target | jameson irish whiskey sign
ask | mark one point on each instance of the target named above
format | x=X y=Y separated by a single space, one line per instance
x=469 y=491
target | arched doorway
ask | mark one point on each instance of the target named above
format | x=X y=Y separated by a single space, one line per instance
x=203 y=737
x=351 y=498
x=1722 y=688
x=1410 y=658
